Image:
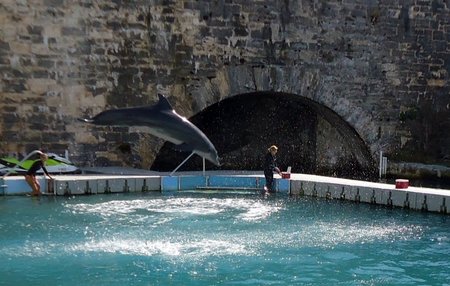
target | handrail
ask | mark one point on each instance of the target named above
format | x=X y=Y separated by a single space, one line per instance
x=171 y=174
x=21 y=162
x=3 y=187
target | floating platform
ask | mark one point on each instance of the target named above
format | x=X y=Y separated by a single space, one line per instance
x=391 y=195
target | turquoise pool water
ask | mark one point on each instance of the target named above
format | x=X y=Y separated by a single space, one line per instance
x=217 y=239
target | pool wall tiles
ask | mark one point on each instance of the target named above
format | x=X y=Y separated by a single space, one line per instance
x=131 y=184
x=428 y=202
x=107 y=186
x=283 y=185
x=347 y=193
x=402 y=199
x=169 y=184
x=148 y=184
x=192 y=182
x=443 y=208
x=364 y=195
x=300 y=187
x=319 y=190
x=3 y=187
x=419 y=201
x=102 y=186
x=238 y=182
x=334 y=192
x=18 y=187
x=75 y=187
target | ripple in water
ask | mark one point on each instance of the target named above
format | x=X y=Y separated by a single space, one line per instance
x=199 y=227
x=207 y=239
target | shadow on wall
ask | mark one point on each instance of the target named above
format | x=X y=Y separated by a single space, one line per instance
x=312 y=138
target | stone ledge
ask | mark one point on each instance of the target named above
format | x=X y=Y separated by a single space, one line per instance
x=418 y=170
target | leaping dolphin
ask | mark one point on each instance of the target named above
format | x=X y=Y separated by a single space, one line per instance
x=164 y=122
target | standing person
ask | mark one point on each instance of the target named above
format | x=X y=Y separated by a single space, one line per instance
x=270 y=166
x=30 y=176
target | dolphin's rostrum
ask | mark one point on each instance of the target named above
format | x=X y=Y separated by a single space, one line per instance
x=164 y=122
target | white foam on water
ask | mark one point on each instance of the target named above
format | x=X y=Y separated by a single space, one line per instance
x=318 y=233
x=195 y=248
x=250 y=210
x=200 y=248
x=145 y=227
x=251 y=242
x=179 y=205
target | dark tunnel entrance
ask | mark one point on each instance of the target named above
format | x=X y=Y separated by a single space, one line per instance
x=311 y=138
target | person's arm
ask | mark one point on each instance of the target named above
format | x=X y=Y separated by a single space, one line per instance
x=277 y=170
x=45 y=171
x=275 y=167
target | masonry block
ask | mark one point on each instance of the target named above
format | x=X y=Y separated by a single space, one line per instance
x=137 y=49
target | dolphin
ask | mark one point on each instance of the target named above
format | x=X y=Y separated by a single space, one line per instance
x=164 y=122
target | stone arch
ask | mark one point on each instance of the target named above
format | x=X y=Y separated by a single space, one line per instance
x=305 y=81
x=312 y=138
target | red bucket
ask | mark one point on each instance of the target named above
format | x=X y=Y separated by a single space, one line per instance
x=285 y=175
x=401 y=184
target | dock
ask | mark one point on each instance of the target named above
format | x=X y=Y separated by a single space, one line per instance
x=410 y=197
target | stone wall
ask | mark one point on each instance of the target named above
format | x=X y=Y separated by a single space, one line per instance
x=381 y=65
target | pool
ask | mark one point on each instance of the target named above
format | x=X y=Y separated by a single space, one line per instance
x=214 y=238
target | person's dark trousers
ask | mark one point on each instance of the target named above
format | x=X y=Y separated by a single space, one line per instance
x=269 y=180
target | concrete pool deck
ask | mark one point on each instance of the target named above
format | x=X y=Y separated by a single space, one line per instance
x=120 y=180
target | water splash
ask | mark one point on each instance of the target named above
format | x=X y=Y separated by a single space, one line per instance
x=202 y=227
x=249 y=210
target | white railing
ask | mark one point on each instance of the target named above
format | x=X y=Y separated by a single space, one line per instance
x=11 y=170
x=383 y=165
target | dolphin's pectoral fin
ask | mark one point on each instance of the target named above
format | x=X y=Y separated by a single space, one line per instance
x=86 y=120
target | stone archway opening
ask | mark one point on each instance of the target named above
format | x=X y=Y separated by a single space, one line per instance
x=311 y=138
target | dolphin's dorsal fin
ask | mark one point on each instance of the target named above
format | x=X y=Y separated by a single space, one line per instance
x=163 y=103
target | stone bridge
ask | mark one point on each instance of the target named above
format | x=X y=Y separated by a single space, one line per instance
x=332 y=83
